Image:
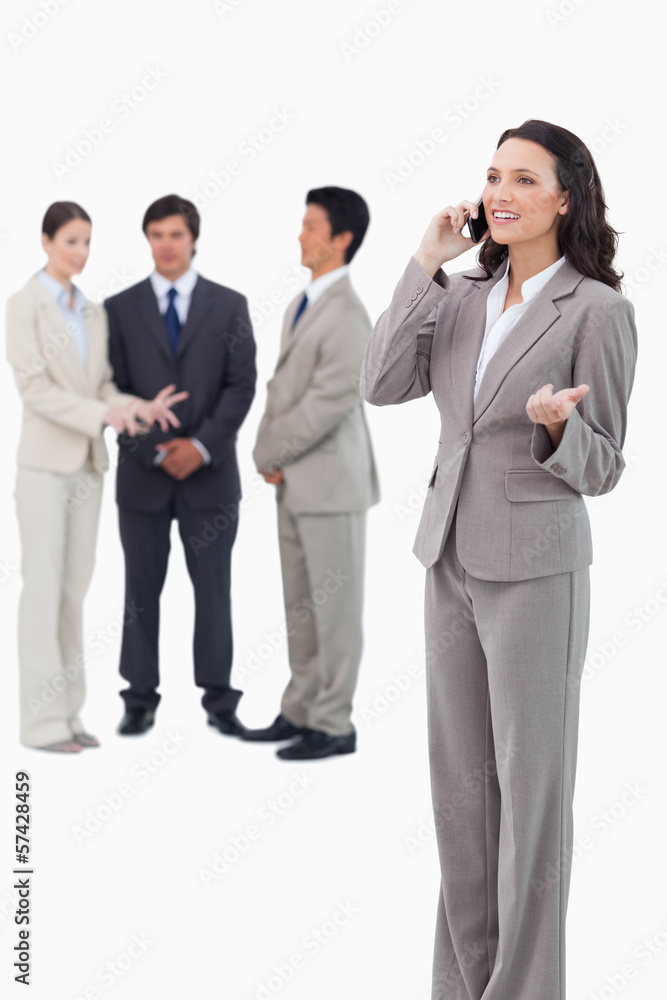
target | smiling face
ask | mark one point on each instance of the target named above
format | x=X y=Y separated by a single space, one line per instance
x=68 y=250
x=172 y=245
x=523 y=200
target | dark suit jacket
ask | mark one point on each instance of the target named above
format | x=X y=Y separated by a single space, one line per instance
x=215 y=363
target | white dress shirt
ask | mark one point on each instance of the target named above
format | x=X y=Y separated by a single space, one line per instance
x=74 y=316
x=318 y=286
x=499 y=323
x=184 y=287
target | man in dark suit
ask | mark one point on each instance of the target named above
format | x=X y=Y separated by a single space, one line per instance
x=177 y=327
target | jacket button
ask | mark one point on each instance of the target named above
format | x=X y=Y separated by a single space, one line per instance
x=559 y=469
x=408 y=304
x=465 y=437
x=419 y=289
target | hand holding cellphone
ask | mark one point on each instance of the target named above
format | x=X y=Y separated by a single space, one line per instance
x=477 y=227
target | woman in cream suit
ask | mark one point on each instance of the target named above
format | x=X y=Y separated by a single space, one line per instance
x=57 y=345
x=530 y=358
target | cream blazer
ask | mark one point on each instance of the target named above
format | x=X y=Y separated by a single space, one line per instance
x=64 y=403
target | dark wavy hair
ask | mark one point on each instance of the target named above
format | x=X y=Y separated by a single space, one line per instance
x=584 y=235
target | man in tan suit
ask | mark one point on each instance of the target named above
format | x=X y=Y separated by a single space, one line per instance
x=313 y=444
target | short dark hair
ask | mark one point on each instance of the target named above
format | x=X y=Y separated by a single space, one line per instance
x=173 y=204
x=59 y=214
x=347 y=212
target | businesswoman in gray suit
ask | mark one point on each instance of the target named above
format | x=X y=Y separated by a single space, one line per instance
x=530 y=358
x=57 y=345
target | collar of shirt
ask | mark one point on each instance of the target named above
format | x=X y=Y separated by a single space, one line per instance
x=60 y=293
x=318 y=286
x=529 y=290
x=183 y=285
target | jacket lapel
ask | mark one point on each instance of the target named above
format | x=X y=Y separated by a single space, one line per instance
x=291 y=337
x=62 y=349
x=96 y=343
x=201 y=303
x=149 y=317
x=539 y=316
x=467 y=343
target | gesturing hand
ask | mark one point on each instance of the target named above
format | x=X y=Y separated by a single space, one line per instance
x=544 y=407
x=159 y=409
x=182 y=457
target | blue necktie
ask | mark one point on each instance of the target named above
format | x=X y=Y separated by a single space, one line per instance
x=300 y=311
x=172 y=321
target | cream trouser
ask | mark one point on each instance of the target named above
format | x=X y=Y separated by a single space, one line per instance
x=58 y=517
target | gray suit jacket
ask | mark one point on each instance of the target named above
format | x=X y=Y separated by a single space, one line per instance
x=520 y=510
x=314 y=427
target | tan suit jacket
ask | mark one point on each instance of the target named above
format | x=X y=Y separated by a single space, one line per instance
x=314 y=427
x=64 y=403
x=520 y=512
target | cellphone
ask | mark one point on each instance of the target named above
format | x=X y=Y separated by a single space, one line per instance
x=477 y=227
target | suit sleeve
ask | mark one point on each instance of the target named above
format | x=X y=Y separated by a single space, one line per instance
x=39 y=392
x=333 y=390
x=397 y=362
x=589 y=456
x=108 y=390
x=237 y=388
x=142 y=447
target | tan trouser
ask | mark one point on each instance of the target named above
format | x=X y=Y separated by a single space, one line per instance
x=58 y=517
x=322 y=560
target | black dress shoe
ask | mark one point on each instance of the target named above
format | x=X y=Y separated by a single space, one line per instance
x=136 y=721
x=227 y=723
x=280 y=729
x=314 y=744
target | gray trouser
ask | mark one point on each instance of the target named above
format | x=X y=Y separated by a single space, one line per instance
x=322 y=561
x=503 y=664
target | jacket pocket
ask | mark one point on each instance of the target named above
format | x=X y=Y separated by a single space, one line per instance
x=525 y=485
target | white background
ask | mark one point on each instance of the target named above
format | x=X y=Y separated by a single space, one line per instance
x=595 y=68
